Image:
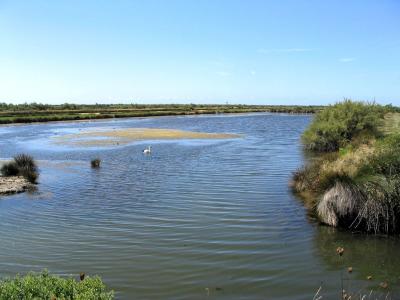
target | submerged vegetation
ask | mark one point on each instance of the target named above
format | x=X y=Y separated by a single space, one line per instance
x=353 y=181
x=37 y=112
x=46 y=286
x=22 y=165
x=95 y=163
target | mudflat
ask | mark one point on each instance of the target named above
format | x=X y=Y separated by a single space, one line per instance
x=125 y=136
x=13 y=184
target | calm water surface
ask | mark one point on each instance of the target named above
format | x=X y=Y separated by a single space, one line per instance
x=197 y=219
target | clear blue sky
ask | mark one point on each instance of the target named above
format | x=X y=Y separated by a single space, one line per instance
x=201 y=51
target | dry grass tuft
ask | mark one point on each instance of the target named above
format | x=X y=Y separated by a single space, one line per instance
x=349 y=163
x=340 y=204
x=95 y=163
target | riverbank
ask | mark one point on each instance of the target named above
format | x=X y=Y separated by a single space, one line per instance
x=353 y=178
x=28 y=113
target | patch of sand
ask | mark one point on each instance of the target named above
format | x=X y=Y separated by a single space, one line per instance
x=125 y=136
x=14 y=184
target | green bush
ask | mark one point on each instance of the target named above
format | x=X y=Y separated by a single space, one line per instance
x=386 y=160
x=46 y=286
x=336 y=126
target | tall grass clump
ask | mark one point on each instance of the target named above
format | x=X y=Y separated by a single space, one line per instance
x=22 y=165
x=356 y=185
x=46 y=286
x=336 y=126
x=95 y=163
x=9 y=169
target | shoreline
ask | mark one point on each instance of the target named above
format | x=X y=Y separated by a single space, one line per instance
x=2 y=125
x=14 y=185
x=45 y=116
x=353 y=180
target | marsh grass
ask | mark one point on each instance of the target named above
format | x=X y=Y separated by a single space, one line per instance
x=36 y=112
x=392 y=123
x=95 y=163
x=359 y=190
x=356 y=185
x=22 y=165
x=9 y=169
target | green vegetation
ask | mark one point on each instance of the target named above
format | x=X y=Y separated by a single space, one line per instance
x=392 y=123
x=22 y=165
x=338 y=125
x=95 y=163
x=36 y=112
x=46 y=286
x=353 y=180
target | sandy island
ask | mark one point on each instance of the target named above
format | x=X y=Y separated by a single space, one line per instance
x=128 y=135
x=14 y=184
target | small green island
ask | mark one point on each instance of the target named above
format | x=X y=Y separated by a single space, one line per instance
x=351 y=179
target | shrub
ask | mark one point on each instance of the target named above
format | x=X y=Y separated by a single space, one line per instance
x=335 y=126
x=386 y=159
x=25 y=161
x=9 y=169
x=22 y=165
x=356 y=184
x=46 y=286
x=360 y=189
x=27 y=167
x=306 y=179
x=95 y=163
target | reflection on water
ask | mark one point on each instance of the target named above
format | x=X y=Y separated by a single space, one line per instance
x=368 y=256
x=196 y=219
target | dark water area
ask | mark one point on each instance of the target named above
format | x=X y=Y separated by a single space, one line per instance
x=196 y=219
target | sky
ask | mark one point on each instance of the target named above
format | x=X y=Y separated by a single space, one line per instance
x=301 y=52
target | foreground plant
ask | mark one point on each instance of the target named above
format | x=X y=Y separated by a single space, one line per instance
x=46 y=286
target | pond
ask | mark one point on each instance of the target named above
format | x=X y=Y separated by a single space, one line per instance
x=198 y=218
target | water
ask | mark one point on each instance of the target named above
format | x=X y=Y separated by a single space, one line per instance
x=196 y=219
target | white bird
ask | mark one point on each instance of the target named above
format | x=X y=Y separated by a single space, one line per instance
x=147 y=150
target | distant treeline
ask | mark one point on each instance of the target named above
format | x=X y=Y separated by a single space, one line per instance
x=38 y=112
